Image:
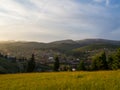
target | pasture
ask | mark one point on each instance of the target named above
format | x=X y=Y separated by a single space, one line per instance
x=98 y=80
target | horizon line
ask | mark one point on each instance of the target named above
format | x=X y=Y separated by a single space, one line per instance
x=56 y=40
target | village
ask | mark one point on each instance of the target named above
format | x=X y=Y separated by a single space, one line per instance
x=46 y=61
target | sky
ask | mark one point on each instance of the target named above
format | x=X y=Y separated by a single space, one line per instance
x=51 y=20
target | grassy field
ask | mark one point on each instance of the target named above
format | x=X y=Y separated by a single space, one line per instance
x=100 y=80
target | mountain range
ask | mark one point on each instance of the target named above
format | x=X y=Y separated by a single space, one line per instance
x=61 y=46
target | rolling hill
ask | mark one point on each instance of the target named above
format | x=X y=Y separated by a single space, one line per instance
x=63 y=46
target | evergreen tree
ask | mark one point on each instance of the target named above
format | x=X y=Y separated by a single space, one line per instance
x=116 y=60
x=110 y=61
x=81 y=66
x=31 y=64
x=94 y=64
x=56 y=63
x=99 y=62
x=104 y=61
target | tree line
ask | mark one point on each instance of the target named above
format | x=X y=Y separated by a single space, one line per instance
x=29 y=66
x=102 y=61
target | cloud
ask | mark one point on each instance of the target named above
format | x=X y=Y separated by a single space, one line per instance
x=98 y=1
x=107 y=2
x=44 y=20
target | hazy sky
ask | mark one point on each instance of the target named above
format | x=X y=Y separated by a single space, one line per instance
x=50 y=20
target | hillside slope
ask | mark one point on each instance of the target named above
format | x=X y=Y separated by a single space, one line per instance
x=20 y=49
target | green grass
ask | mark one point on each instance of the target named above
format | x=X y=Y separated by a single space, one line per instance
x=100 y=80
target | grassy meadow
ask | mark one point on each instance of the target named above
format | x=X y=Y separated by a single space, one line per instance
x=99 y=80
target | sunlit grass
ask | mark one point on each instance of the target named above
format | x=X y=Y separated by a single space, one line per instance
x=101 y=80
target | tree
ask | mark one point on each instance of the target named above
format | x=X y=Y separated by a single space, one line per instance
x=99 y=62
x=114 y=60
x=118 y=58
x=104 y=61
x=94 y=64
x=81 y=66
x=56 y=63
x=110 y=61
x=31 y=64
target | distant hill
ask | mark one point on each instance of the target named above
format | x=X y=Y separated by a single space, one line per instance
x=98 y=41
x=69 y=41
x=87 y=44
x=63 y=46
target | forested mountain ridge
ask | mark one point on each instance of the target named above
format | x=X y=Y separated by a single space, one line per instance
x=19 y=48
x=76 y=49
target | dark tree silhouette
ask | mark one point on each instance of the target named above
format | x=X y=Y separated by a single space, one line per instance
x=81 y=66
x=56 y=63
x=99 y=62
x=31 y=64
